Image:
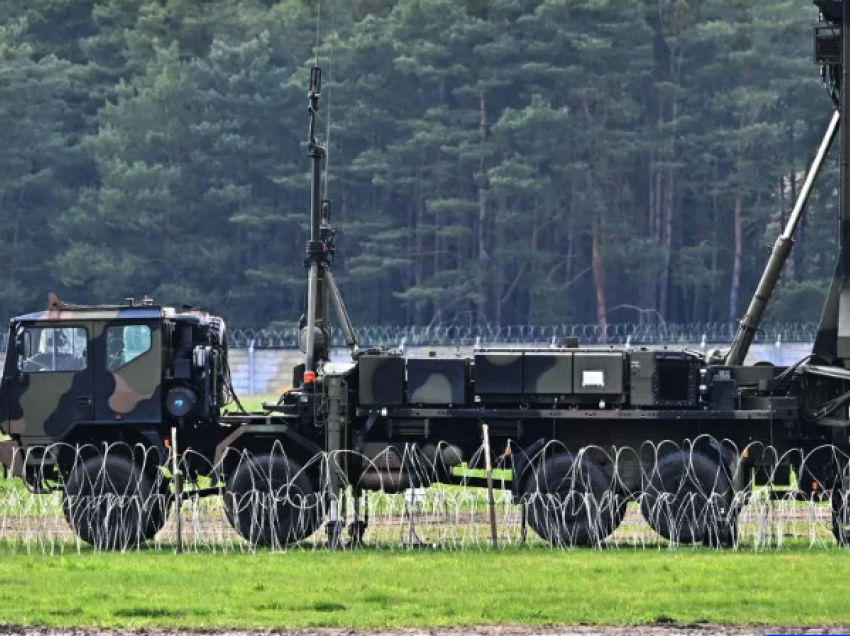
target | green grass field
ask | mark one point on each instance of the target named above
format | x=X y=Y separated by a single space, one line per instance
x=369 y=589
x=397 y=588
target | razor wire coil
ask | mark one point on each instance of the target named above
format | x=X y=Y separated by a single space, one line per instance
x=467 y=335
x=552 y=508
x=695 y=333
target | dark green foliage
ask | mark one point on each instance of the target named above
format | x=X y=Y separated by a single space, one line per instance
x=507 y=161
x=799 y=302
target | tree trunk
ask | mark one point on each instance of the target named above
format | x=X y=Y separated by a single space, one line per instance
x=499 y=278
x=736 y=262
x=649 y=287
x=419 y=245
x=599 y=277
x=482 y=216
x=535 y=247
x=657 y=224
x=668 y=223
x=715 y=253
x=410 y=272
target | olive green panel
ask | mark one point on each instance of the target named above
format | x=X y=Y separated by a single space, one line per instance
x=437 y=389
x=437 y=380
x=381 y=380
x=547 y=373
x=43 y=402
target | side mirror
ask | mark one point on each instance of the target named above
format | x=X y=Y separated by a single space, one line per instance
x=23 y=347
x=23 y=340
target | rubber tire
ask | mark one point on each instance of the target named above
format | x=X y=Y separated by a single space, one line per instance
x=688 y=500
x=571 y=507
x=723 y=531
x=270 y=501
x=840 y=514
x=840 y=530
x=112 y=504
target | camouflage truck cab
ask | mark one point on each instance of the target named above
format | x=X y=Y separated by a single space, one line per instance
x=103 y=375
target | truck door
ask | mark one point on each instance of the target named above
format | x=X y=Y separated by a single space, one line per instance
x=128 y=356
x=51 y=387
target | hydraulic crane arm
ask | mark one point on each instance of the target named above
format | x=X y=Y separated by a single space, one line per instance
x=769 y=278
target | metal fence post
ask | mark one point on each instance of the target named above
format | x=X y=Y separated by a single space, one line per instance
x=251 y=368
x=178 y=488
x=491 y=500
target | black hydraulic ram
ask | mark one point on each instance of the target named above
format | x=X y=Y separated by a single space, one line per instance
x=751 y=320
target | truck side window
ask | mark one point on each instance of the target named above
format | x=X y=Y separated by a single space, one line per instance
x=54 y=349
x=125 y=343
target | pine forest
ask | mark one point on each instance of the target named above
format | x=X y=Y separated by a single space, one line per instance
x=489 y=161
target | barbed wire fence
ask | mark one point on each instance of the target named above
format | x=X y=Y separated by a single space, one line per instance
x=118 y=497
x=469 y=335
x=466 y=335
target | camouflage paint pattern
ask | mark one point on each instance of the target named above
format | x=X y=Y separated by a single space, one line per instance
x=498 y=373
x=436 y=389
x=34 y=403
x=42 y=405
x=40 y=402
x=381 y=380
x=547 y=373
x=130 y=390
x=127 y=313
x=437 y=381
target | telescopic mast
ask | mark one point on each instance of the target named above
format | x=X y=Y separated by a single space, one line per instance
x=321 y=286
x=315 y=246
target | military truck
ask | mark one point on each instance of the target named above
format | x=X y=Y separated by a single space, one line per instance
x=90 y=394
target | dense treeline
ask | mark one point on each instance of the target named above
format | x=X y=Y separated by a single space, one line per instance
x=489 y=160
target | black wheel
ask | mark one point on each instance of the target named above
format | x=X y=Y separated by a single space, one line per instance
x=569 y=502
x=271 y=501
x=689 y=500
x=840 y=502
x=840 y=517
x=111 y=503
x=722 y=531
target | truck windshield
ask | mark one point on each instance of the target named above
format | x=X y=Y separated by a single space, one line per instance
x=53 y=349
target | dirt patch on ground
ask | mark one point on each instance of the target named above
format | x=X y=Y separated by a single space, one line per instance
x=647 y=630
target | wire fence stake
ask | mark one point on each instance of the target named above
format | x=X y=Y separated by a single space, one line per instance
x=178 y=489
x=491 y=500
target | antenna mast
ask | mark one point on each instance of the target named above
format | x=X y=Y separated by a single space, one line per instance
x=321 y=286
x=314 y=334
